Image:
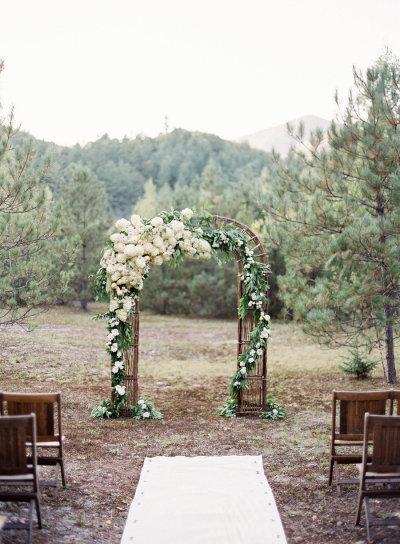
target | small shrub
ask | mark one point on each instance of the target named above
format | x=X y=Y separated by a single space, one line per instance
x=274 y=410
x=358 y=366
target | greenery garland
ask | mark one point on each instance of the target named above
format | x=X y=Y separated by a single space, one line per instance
x=126 y=261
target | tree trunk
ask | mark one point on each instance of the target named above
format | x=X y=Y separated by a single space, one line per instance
x=83 y=297
x=388 y=291
x=390 y=362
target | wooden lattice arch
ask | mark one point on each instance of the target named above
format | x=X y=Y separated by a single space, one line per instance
x=252 y=400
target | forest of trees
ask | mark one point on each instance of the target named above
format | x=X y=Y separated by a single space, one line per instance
x=329 y=215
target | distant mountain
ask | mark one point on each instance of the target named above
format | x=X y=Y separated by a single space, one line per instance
x=278 y=138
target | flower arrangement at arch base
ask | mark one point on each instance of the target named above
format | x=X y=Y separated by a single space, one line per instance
x=139 y=244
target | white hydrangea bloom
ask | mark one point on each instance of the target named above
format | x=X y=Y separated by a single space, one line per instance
x=114 y=304
x=121 y=314
x=130 y=250
x=157 y=222
x=140 y=262
x=177 y=226
x=187 y=213
x=116 y=237
x=122 y=224
x=136 y=220
x=127 y=305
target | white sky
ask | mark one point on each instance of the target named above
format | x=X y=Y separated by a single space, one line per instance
x=76 y=69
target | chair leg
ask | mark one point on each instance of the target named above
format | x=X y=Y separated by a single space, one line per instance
x=38 y=512
x=359 y=506
x=370 y=536
x=337 y=477
x=30 y=522
x=62 y=473
x=331 y=471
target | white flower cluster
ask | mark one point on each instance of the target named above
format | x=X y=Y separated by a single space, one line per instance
x=265 y=332
x=257 y=300
x=120 y=390
x=249 y=261
x=137 y=246
x=144 y=407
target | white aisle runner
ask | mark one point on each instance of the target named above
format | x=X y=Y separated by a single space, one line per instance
x=203 y=500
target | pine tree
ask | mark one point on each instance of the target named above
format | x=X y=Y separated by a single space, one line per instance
x=85 y=218
x=27 y=228
x=336 y=207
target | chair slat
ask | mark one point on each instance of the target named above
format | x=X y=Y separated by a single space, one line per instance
x=352 y=414
x=386 y=445
x=13 y=435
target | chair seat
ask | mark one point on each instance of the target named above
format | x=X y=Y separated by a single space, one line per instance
x=48 y=443
x=16 y=478
x=371 y=474
x=348 y=442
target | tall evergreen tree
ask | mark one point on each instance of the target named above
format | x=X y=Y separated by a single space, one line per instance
x=337 y=213
x=85 y=218
x=27 y=228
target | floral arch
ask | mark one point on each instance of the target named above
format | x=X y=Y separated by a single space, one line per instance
x=139 y=244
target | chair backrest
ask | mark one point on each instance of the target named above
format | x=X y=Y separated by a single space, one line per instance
x=385 y=433
x=14 y=432
x=353 y=405
x=41 y=404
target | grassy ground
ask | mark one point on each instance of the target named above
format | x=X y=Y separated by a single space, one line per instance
x=185 y=367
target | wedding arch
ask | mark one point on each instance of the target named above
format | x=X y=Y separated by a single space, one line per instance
x=139 y=244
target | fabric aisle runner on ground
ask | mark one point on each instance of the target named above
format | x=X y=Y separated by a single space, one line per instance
x=203 y=500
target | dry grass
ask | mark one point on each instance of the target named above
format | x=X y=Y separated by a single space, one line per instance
x=185 y=367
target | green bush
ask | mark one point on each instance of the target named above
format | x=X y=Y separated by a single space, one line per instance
x=358 y=366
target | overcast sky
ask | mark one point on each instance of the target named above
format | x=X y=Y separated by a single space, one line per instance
x=76 y=69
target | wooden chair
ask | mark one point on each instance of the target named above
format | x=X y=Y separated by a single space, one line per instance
x=381 y=470
x=44 y=406
x=16 y=469
x=348 y=426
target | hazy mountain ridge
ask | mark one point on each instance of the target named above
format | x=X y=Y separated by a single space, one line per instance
x=277 y=137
